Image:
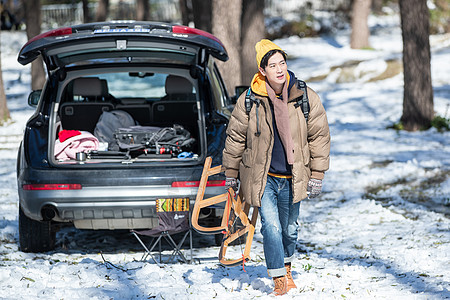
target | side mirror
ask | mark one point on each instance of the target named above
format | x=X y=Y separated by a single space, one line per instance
x=238 y=90
x=33 y=98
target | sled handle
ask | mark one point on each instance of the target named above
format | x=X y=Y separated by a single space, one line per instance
x=201 y=203
x=234 y=208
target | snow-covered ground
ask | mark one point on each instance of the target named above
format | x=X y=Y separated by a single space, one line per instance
x=381 y=229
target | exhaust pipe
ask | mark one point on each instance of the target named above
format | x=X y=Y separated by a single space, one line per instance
x=205 y=212
x=48 y=213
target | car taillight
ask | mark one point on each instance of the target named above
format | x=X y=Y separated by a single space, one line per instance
x=55 y=186
x=197 y=183
x=189 y=30
x=54 y=32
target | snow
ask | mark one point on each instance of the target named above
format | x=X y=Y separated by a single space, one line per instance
x=377 y=232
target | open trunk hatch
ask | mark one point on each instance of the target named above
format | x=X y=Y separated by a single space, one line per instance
x=140 y=88
x=125 y=39
x=128 y=115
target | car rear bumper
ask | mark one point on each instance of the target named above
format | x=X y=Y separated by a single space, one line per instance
x=105 y=207
x=115 y=198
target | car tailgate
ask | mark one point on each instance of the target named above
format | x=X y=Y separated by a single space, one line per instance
x=128 y=37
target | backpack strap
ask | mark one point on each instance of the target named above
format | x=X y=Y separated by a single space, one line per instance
x=303 y=100
x=249 y=100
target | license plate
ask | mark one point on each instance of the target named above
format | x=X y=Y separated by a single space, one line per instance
x=172 y=204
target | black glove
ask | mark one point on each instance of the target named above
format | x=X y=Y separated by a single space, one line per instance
x=233 y=183
x=314 y=187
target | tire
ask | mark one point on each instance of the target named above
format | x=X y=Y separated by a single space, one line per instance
x=35 y=236
x=218 y=238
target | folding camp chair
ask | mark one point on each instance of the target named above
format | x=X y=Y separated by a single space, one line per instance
x=174 y=218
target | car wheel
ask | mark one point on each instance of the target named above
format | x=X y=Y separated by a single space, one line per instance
x=218 y=238
x=35 y=236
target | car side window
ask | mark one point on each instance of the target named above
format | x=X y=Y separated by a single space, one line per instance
x=218 y=88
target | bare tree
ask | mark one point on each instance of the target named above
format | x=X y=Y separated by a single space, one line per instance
x=418 y=92
x=360 y=30
x=239 y=24
x=186 y=11
x=142 y=10
x=123 y=11
x=252 y=31
x=202 y=14
x=377 y=6
x=33 y=21
x=4 y=111
x=226 y=23
x=102 y=10
x=86 y=16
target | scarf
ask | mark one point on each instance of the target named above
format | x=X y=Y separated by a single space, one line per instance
x=282 y=120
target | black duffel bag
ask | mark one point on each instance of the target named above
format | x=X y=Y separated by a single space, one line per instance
x=159 y=140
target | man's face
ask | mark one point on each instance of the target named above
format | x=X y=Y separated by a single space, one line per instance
x=275 y=71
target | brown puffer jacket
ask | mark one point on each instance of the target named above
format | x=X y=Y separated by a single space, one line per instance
x=249 y=155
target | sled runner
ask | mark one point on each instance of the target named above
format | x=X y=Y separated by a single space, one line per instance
x=235 y=221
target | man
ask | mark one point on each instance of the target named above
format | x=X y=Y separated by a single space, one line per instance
x=278 y=156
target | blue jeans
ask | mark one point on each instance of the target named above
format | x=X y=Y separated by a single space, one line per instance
x=279 y=224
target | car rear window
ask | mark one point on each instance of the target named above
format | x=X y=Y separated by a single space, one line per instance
x=132 y=55
x=135 y=84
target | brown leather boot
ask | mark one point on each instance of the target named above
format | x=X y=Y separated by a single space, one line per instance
x=280 y=285
x=290 y=280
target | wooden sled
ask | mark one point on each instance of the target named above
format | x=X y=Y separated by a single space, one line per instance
x=234 y=212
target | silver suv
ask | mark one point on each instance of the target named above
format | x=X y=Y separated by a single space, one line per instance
x=158 y=76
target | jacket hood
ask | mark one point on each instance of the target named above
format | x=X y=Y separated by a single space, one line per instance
x=258 y=84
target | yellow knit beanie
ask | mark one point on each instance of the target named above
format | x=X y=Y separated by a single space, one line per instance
x=262 y=47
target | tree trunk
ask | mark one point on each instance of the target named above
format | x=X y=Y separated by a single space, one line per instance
x=418 y=92
x=226 y=26
x=360 y=30
x=142 y=10
x=186 y=12
x=377 y=6
x=102 y=10
x=19 y=14
x=86 y=16
x=123 y=11
x=4 y=111
x=32 y=10
x=202 y=14
x=252 y=31
x=38 y=74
